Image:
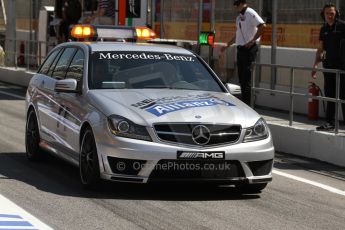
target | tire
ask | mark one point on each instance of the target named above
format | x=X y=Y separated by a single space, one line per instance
x=252 y=188
x=88 y=161
x=32 y=137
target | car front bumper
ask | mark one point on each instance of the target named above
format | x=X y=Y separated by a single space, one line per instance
x=137 y=161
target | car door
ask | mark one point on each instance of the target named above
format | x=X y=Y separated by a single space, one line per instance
x=43 y=90
x=72 y=107
x=56 y=111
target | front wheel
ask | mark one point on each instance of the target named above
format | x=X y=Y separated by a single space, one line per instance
x=88 y=161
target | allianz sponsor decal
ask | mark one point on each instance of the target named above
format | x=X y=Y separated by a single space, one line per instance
x=162 y=106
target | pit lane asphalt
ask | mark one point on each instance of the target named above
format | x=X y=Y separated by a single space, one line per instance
x=50 y=191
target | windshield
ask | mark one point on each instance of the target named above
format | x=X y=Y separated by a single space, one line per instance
x=144 y=70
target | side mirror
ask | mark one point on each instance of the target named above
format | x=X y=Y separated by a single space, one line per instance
x=233 y=89
x=66 y=85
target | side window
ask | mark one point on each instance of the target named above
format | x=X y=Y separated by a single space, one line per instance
x=76 y=68
x=52 y=66
x=45 y=67
x=62 y=65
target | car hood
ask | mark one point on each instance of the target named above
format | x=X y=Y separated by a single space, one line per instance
x=148 y=106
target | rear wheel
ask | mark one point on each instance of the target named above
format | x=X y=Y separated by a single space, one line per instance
x=32 y=137
x=88 y=161
x=252 y=188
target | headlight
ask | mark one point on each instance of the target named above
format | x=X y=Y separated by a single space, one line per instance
x=258 y=132
x=123 y=127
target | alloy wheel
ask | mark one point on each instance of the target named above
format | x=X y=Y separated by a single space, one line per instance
x=88 y=161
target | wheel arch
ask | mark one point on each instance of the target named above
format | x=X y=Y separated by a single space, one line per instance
x=31 y=107
x=86 y=125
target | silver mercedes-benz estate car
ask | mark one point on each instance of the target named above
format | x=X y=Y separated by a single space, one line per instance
x=131 y=112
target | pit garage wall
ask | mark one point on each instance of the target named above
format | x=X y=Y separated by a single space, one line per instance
x=288 y=35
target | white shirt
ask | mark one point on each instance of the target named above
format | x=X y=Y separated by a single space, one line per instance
x=246 y=26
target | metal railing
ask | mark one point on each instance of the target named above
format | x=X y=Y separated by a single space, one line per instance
x=293 y=94
x=29 y=57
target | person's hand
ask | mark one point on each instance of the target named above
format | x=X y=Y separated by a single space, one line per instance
x=313 y=73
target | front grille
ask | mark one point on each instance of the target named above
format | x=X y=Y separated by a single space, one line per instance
x=125 y=166
x=260 y=168
x=197 y=169
x=183 y=133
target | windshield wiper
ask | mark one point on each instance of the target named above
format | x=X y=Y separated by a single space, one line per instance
x=188 y=88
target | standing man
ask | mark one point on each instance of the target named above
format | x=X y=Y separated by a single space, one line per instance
x=71 y=13
x=105 y=13
x=57 y=20
x=249 y=28
x=330 y=52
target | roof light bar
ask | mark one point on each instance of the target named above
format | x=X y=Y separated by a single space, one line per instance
x=83 y=31
x=111 y=33
x=145 y=33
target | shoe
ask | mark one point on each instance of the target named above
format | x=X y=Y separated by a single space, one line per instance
x=325 y=127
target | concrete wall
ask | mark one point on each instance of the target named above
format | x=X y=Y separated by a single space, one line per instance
x=14 y=76
x=322 y=146
x=290 y=57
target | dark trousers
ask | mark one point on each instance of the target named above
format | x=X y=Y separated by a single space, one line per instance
x=65 y=29
x=330 y=91
x=245 y=57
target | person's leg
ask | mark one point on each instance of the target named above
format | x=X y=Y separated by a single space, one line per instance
x=62 y=31
x=241 y=67
x=329 y=91
x=245 y=58
x=342 y=95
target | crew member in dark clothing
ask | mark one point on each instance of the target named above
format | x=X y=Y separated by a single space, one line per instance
x=332 y=41
x=58 y=19
x=71 y=13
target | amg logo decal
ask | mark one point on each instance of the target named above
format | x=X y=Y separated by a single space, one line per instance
x=200 y=155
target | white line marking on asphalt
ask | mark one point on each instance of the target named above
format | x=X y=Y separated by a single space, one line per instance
x=317 y=184
x=14 y=217
x=12 y=95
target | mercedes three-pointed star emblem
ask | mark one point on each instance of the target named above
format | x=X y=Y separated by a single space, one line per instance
x=201 y=135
